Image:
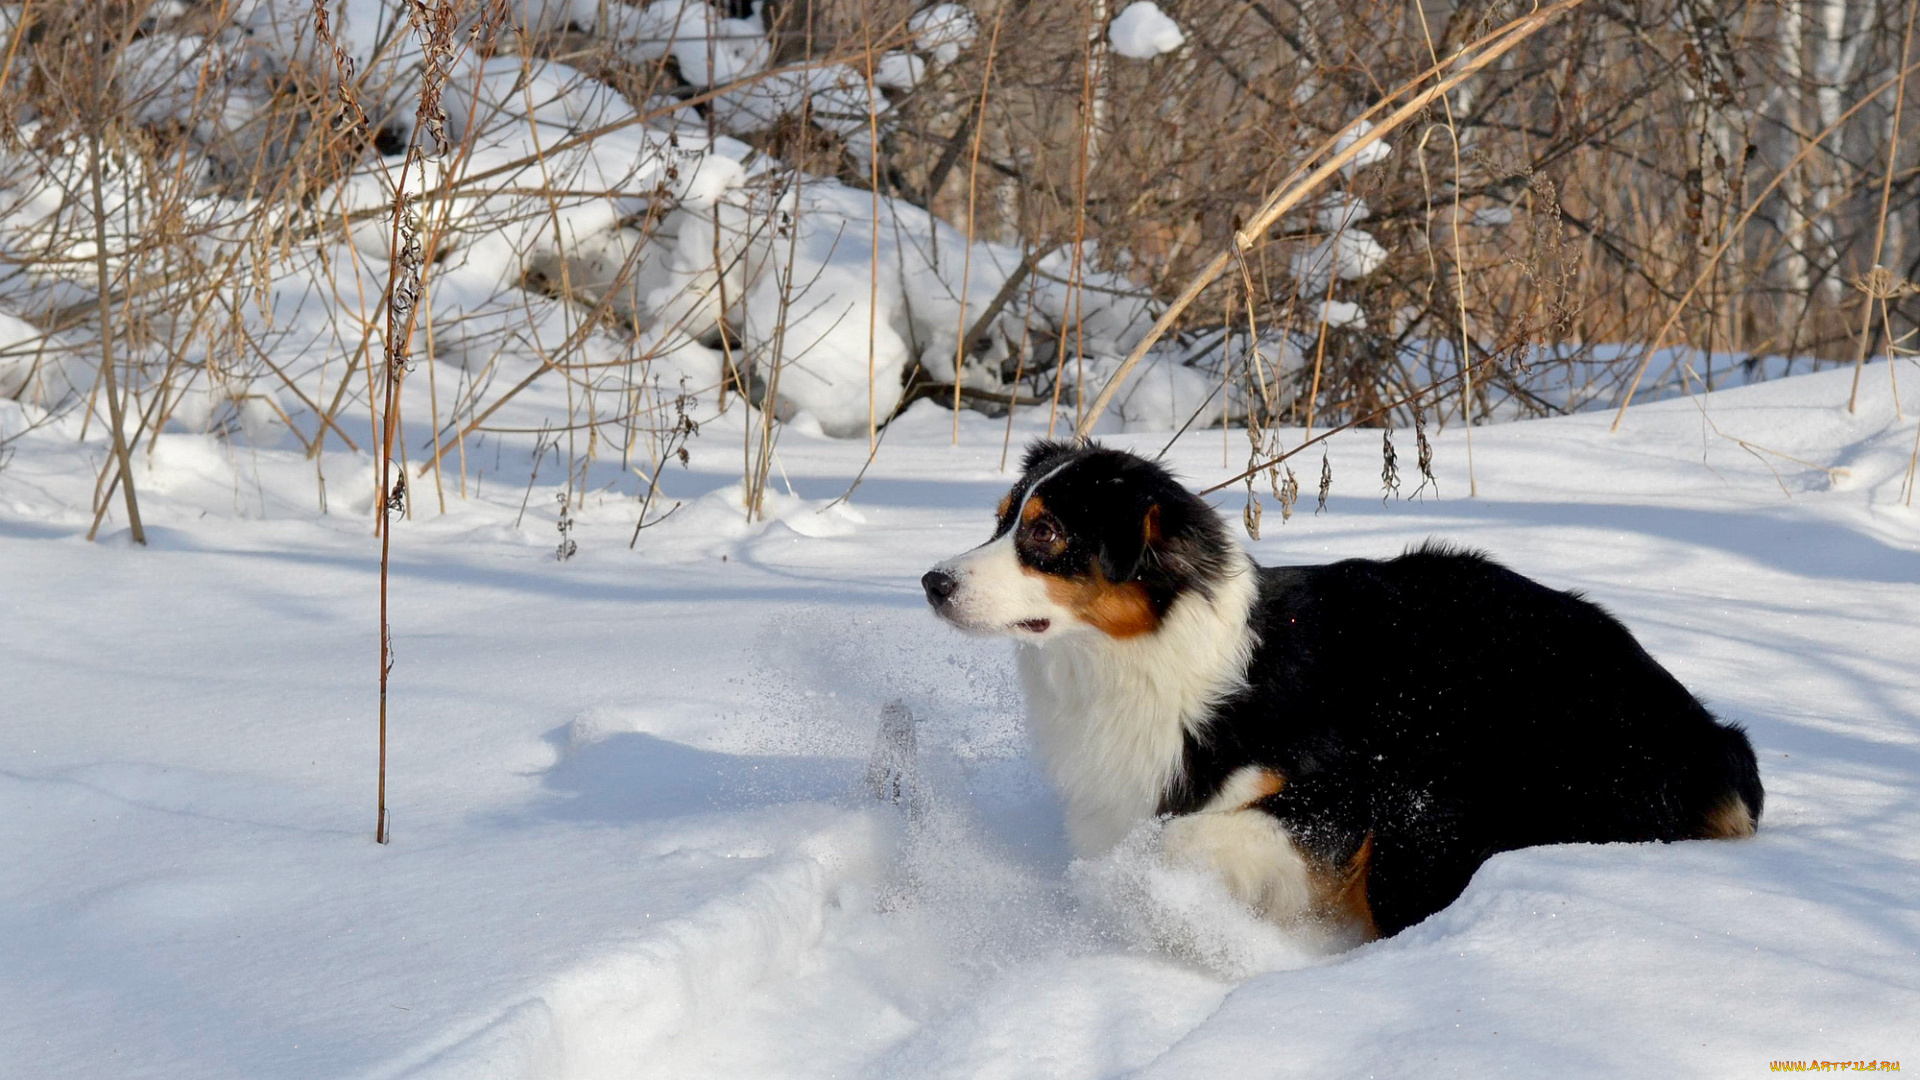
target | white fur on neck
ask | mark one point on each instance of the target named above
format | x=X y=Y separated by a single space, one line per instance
x=1110 y=715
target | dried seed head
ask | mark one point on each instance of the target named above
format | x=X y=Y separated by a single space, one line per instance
x=1389 y=466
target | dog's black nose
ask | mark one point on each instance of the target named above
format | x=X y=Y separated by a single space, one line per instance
x=939 y=585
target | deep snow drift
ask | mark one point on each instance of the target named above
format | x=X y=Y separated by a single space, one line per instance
x=631 y=831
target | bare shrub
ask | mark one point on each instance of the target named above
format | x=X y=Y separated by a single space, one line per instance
x=205 y=207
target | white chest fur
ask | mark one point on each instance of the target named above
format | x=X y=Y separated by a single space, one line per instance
x=1110 y=715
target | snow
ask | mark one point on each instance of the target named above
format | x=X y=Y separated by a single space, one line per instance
x=944 y=30
x=1339 y=210
x=1348 y=252
x=1341 y=313
x=372 y=37
x=1142 y=31
x=722 y=50
x=631 y=833
x=1349 y=255
x=23 y=355
x=1371 y=154
x=537 y=16
x=899 y=71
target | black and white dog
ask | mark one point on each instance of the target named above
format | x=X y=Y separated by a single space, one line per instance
x=1344 y=743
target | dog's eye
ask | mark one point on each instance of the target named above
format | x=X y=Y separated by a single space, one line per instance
x=1044 y=533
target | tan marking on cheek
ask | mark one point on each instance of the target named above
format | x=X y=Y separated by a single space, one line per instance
x=1120 y=611
x=1340 y=892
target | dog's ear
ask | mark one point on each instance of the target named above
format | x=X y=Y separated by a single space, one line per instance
x=1045 y=452
x=1132 y=542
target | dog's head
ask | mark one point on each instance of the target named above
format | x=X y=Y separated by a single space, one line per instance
x=1090 y=540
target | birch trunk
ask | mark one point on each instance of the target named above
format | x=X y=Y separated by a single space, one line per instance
x=1795 y=268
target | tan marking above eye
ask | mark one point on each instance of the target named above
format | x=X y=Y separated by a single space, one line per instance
x=1006 y=501
x=1033 y=509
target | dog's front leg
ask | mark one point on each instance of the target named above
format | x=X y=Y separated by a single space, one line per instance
x=1235 y=838
x=1245 y=847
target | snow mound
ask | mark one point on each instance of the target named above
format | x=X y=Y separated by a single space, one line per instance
x=1341 y=314
x=1371 y=154
x=945 y=30
x=604 y=1017
x=1142 y=31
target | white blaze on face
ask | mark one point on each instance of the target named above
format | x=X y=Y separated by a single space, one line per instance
x=995 y=593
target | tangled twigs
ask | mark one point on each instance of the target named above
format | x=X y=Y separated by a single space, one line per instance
x=1302 y=182
x=1735 y=232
